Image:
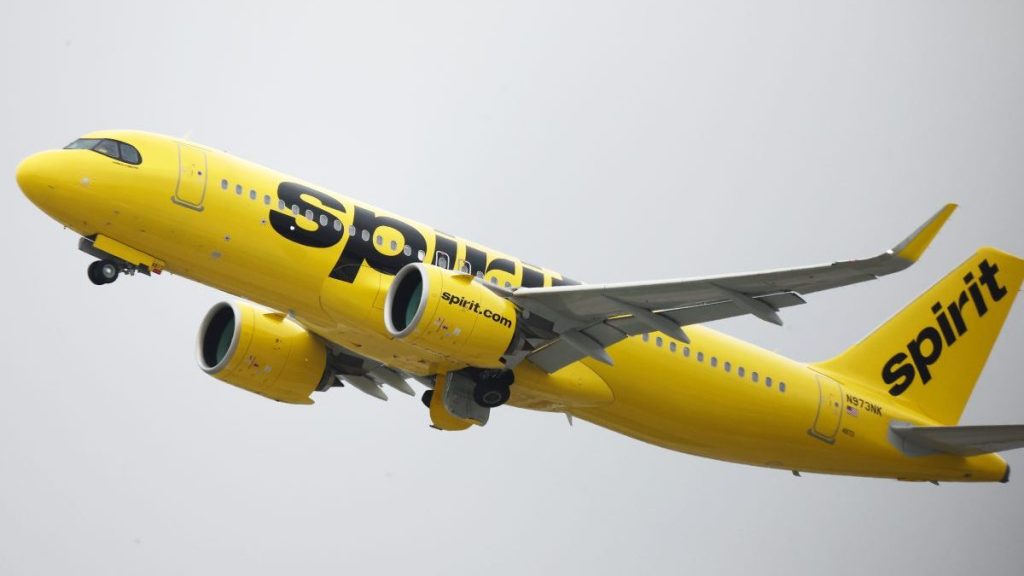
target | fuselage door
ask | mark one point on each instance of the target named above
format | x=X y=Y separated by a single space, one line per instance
x=191 y=177
x=830 y=410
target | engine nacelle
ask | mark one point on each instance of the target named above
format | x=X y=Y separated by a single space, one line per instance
x=262 y=352
x=450 y=314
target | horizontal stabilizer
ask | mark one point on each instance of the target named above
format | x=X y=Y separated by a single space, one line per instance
x=958 y=440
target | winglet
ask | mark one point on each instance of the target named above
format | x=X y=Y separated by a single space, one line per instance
x=914 y=245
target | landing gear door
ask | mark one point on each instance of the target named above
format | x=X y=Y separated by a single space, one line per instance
x=191 y=187
x=830 y=410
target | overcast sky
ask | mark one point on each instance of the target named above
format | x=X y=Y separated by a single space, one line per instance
x=609 y=141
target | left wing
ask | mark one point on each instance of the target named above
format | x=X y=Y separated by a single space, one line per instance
x=585 y=320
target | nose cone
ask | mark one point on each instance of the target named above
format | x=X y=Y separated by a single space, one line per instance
x=35 y=175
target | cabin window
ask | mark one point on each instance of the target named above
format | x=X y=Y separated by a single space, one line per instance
x=238 y=189
x=658 y=341
x=394 y=245
x=252 y=195
x=281 y=205
x=407 y=250
x=338 y=225
x=714 y=361
x=645 y=336
x=295 y=210
x=700 y=356
x=465 y=267
x=768 y=381
x=740 y=371
x=420 y=255
x=727 y=366
x=365 y=235
x=782 y=387
x=324 y=219
x=224 y=184
x=686 y=351
x=753 y=376
x=508 y=284
x=352 y=231
x=266 y=199
x=309 y=215
x=441 y=261
x=672 y=346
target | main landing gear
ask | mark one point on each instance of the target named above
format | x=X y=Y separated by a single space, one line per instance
x=492 y=387
x=103 y=272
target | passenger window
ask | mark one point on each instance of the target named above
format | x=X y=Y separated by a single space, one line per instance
x=129 y=154
x=700 y=356
x=740 y=371
x=465 y=267
x=714 y=361
x=324 y=219
x=107 y=148
x=281 y=205
x=380 y=240
x=441 y=261
x=753 y=376
x=238 y=189
x=672 y=346
x=394 y=245
x=686 y=351
x=782 y=387
x=658 y=341
x=352 y=231
x=266 y=199
x=407 y=250
x=645 y=337
x=727 y=366
x=768 y=381
x=295 y=210
x=252 y=194
x=338 y=225
x=508 y=284
x=309 y=215
x=224 y=184
x=420 y=255
x=365 y=235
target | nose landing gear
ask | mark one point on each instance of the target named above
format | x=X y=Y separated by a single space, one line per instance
x=103 y=272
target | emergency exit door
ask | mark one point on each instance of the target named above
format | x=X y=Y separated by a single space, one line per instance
x=191 y=177
x=830 y=409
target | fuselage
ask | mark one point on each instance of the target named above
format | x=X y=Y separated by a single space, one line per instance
x=327 y=260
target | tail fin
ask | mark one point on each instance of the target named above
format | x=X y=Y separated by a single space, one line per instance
x=932 y=351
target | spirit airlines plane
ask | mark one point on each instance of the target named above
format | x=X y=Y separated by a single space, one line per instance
x=341 y=293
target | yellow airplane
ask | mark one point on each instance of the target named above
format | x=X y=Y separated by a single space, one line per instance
x=349 y=294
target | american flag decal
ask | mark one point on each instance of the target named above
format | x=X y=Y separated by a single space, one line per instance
x=851 y=411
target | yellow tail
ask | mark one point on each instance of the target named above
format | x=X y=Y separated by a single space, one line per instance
x=932 y=351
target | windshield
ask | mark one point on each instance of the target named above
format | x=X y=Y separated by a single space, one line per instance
x=110 y=148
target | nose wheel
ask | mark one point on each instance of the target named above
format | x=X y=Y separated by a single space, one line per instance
x=103 y=272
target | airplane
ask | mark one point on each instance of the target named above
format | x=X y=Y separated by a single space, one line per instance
x=341 y=293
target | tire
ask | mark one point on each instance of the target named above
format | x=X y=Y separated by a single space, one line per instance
x=94 y=273
x=427 y=397
x=491 y=395
x=107 y=271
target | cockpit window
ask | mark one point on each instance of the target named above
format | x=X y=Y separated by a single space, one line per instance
x=129 y=154
x=112 y=148
x=108 y=148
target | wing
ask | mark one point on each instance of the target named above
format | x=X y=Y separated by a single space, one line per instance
x=582 y=321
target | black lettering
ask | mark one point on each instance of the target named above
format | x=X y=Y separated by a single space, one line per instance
x=897 y=374
x=533 y=277
x=978 y=299
x=286 y=225
x=988 y=278
x=358 y=252
x=923 y=361
x=956 y=313
x=947 y=330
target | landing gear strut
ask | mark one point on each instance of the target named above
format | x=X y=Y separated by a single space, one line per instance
x=103 y=272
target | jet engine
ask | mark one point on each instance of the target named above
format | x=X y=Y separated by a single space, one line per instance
x=263 y=352
x=450 y=314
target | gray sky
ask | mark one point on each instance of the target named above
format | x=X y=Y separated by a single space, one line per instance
x=609 y=141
